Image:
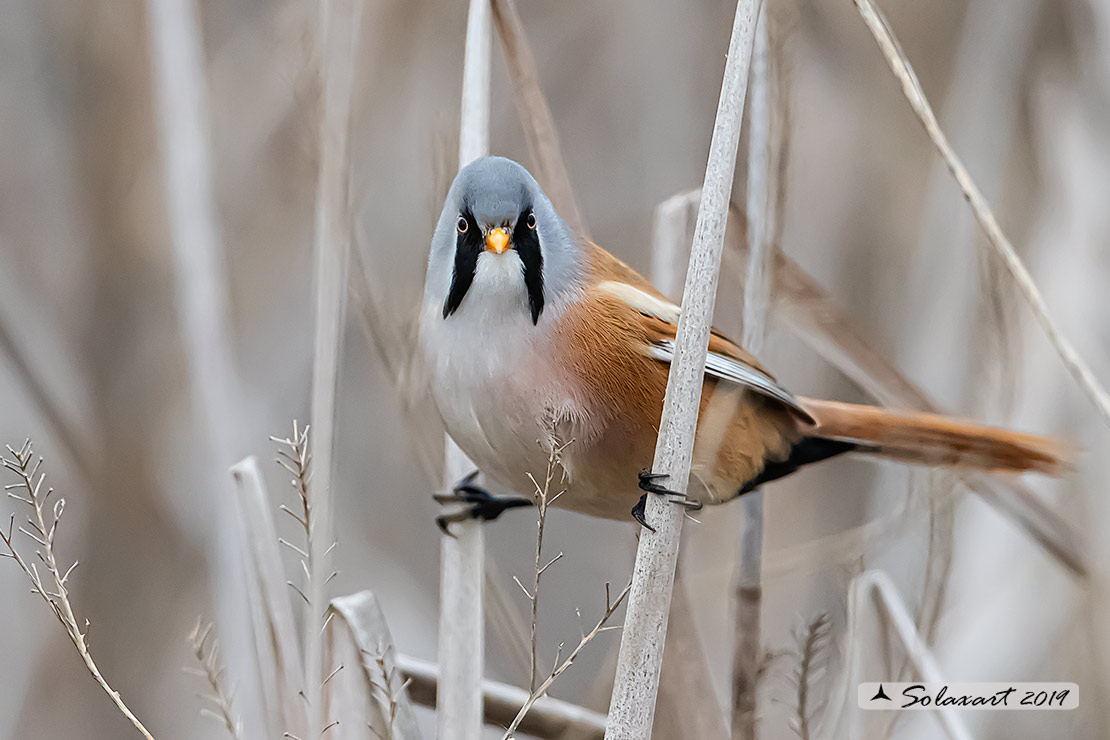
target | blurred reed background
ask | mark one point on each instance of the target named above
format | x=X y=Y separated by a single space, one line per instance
x=95 y=363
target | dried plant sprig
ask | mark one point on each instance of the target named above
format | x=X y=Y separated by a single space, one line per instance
x=543 y=499
x=388 y=690
x=561 y=665
x=206 y=650
x=812 y=643
x=42 y=529
x=911 y=87
x=295 y=457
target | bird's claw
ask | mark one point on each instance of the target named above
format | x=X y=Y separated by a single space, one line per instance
x=638 y=512
x=648 y=484
x=480 y=504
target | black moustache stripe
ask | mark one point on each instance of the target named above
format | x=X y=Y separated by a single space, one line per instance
x=527 y=244
x=467 y=248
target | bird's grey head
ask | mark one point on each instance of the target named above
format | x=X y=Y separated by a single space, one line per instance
x=499 y=239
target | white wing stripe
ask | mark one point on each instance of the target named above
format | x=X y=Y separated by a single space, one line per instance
x=728 y=369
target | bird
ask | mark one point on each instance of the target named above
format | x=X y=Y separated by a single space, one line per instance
x=536 y=339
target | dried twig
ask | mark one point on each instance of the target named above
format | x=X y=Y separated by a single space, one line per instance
x=632 y=709
x=911 y=88
x=611 y=607
x=42 y=529
x=543 y=500
x=206 y=650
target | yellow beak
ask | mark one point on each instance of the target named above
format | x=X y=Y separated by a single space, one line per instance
x=497 y=241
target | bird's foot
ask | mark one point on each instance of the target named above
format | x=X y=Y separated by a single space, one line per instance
x=480 y=504
x=648 y=484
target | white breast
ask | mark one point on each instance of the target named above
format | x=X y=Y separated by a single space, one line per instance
x=491 y=377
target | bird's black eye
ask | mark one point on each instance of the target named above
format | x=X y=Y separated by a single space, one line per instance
x=462 y=225
x=531 y=220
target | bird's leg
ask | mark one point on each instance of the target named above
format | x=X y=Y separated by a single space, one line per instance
x=648 y=484
x=480 y=504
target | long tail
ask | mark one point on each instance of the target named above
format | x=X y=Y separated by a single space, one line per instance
x=930 y=439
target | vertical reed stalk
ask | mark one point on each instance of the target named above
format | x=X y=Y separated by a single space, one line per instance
x=632 y=708
x=461 y=629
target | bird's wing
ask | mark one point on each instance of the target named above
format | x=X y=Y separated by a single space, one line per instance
x=658 y=318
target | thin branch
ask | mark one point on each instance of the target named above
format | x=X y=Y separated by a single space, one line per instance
x=543 y=499
x=911 y=88
x=22 y=462
x=561 y=666
x=632 y=707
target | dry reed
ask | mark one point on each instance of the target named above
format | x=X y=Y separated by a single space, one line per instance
x=462 y=558
x=632 y=708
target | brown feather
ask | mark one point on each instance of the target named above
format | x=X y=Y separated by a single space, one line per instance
x=931 y=439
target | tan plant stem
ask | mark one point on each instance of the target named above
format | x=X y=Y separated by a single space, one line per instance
x=22 y=463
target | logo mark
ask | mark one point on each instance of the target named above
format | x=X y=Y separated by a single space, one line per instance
x=880 y=694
